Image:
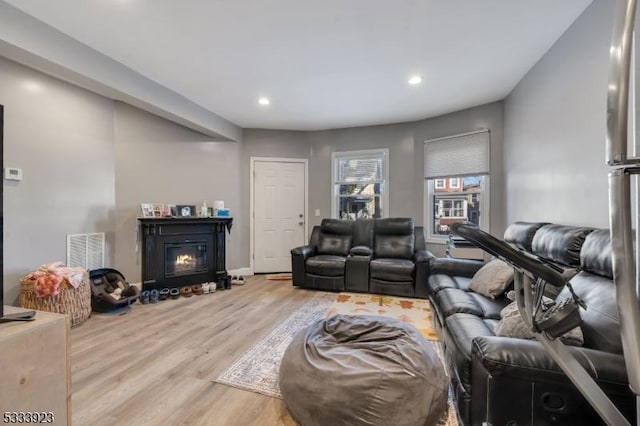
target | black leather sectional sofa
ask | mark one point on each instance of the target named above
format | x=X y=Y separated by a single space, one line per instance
x=384 y=256
x=513 y=381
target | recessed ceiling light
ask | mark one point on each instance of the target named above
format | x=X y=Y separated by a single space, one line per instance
x=416 y=79
x=264 y=101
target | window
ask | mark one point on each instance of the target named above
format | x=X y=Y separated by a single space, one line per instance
x=360 y=188
x=463 y=205
x=456 y=182
x=451 y=208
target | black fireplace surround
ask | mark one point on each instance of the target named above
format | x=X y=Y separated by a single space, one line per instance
x=178 y=252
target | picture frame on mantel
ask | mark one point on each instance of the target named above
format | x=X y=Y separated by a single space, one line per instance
x=147 y=209
x=185 y=210
x=158 y=210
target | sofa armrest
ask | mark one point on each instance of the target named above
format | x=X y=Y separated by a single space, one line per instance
x=528 y=360
x=298 y=257
x=422 y=260
x=455 y=267
x=423 y=256
x=361 y=251
x=357 y=269
x=304 y=251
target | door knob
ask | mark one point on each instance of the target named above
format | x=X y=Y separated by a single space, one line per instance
x=300 y=215
x=300 y=223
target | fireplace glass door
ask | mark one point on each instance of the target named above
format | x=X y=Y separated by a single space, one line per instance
x=185 y=258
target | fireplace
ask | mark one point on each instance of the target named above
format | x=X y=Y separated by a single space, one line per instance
x=178 y=252
x=185 y=258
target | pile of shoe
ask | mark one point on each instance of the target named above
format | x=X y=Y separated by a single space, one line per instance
x=147 y=296
x=186 y=291
x=238 y=280
x=154 y=296
x=209 y=287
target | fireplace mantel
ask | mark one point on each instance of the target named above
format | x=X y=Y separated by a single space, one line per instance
x=159 y=233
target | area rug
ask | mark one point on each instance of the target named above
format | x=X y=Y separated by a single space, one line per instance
x=258 y=369
x=416 y=312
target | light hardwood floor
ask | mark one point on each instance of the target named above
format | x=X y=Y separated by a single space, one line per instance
x=155 y=365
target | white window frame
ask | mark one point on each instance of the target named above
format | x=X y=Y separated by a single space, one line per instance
x=439 y=184
x=365 y=153
x=462 y=203
x=456 y=180
x=484 y=197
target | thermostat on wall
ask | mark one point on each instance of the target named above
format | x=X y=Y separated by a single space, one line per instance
x=12 y=173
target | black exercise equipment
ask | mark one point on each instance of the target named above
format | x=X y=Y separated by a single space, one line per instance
x=549 y=322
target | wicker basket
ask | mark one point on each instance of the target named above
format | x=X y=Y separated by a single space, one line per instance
x=75 y=302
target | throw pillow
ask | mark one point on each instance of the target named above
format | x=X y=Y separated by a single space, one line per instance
x=492 y=279
x=511 y=324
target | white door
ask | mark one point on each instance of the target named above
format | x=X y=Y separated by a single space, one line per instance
x=279 y=208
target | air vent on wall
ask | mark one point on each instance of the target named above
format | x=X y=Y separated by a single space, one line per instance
x=86 y=250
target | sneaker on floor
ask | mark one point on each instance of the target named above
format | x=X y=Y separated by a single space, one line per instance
x=164 y=294
x=240 y=280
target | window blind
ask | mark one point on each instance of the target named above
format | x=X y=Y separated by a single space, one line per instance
x=353 y=170
x=459 y=155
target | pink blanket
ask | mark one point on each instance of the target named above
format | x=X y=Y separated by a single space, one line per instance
x=48 y=277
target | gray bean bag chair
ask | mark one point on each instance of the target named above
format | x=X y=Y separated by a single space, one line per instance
x=363 y=370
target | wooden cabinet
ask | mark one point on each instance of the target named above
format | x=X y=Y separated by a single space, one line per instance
x=35 y=374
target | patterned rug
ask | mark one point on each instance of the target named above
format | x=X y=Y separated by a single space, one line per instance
x=416 y=312
x=258 y=369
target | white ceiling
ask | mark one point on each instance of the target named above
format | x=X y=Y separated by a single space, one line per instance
x=324 y=64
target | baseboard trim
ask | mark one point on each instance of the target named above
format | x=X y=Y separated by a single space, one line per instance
x=241 y=271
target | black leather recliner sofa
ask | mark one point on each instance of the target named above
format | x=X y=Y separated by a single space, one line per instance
x=505 y=380
x=384 y=256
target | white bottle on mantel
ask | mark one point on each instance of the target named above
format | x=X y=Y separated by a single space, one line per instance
x=204 y=210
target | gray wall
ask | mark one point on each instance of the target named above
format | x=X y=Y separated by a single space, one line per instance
x=405 y=142
x=489 y=116
x=264 y=143
x=406 y=158
x=555 y=125
x=398 y=138
x=62 y=138
x=89 y=162
x=158 y=161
